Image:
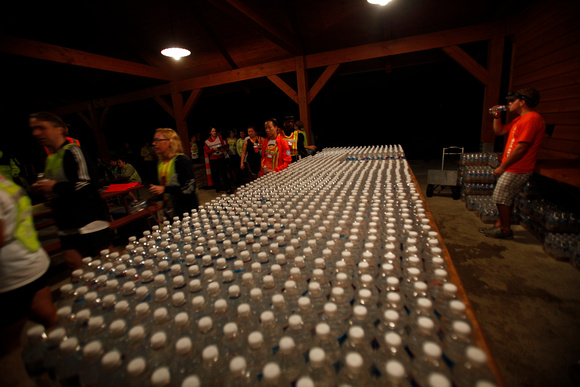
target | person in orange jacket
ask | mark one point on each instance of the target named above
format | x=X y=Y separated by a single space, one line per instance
x=276 y=154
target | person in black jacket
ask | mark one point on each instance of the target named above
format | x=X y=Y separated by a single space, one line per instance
x=69 y=187
x=175 y=172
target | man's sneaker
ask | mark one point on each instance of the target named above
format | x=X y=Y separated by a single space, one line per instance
x=484 y=230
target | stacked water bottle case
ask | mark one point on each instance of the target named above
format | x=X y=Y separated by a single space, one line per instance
x=327 y=273
x=477 y=183
x=553 y=220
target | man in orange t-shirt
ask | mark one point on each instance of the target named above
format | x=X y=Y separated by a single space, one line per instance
x=526 y=133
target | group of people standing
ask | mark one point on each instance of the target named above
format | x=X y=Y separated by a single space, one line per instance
x=248 y=157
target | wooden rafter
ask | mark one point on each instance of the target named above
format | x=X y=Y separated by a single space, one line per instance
x=392 y=47
x=468 y=63
x=51 y=52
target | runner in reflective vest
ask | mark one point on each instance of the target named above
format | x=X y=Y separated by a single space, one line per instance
x=292 y=141
x=25 y=232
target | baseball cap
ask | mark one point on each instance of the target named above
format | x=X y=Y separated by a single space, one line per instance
x=531 y=96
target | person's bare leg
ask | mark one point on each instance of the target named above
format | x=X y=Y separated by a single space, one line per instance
x=504 y=218
x=43 y=309
x=73 y=259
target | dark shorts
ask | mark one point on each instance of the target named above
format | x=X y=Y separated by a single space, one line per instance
x=88 y=245
x=16 y=303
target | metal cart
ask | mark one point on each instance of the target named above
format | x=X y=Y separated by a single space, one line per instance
x=444 y=178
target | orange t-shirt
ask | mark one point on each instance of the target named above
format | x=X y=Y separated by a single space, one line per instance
x=529 y=128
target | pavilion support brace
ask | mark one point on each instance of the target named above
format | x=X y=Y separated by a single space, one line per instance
x=303 y=97
x=95 y=121
x=180 y=118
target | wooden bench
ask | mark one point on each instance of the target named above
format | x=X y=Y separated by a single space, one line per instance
x=125 y=220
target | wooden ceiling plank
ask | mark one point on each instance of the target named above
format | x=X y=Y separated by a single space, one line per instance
x=321 y=81
x=468 y=63
x=51 y=52
x=250 y=16
x=287 y=89
x=212 y=36
x=133 y=96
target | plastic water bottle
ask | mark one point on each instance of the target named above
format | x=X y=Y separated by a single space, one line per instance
x=70 y=360
x=319 y=368
x=160 y=353
x=136 y=342
x=257 y=352
x=325 y=340
x=212 y=367
x=270 y=329
x=357 y=342
x=289 y=359
x=207 y=331
x=473 y=369
x=90 y=369
x=137 y=372
x=354 y=373
x=272 y=375
x=305 y=310
x=394 y=373
x=184 y=359
x=317 y=297
x=111 y=368
x=232 y=341
x=456 y=341
x=299 y=333
x=239 y=373
x=422 y=330
x=429 y=361
x=337 y=325
x=497 y=109
x=33 y=352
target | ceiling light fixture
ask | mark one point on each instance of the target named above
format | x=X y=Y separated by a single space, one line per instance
x=175 y=52
x=379 y=2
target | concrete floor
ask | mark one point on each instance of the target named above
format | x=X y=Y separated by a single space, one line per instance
x=527 y=303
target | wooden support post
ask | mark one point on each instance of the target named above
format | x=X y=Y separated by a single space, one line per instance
x=492 y=90
x=96 y=122
x=303 y=104
x=181 y=125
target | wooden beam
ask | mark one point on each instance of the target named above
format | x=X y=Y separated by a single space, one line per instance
x=242 y=74
x=51 y=52
x=321 y=81
x=492 y=89
x=393 y=47
x=250 y=16
x=191 y=101
x=405 y=45
x=165 y=105
x=303 y=105
x=181 y=124
x=468 y=63
x=287 y=89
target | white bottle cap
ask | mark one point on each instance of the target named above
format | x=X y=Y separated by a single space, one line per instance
x=158 y=340
x=267 y=316
x=395 y=369
x=393 y=339
x=437 y=379
x=141 y=309
x=210 y=352
x=205 y=324
x=271 y=372
x=322 y=329
x=111 y=360
x=474 y=355
x=221 y=306
x=431 y=349
x=178 y=299
x=461 y=327
x=255 y=340
x=160 y=315
x=136 y=333
x=191 y=381
x=183 y=346
x=69 y=345
x=136 y=367
x=117 y=327
x=354 y=361
x=230 y=329
x=160 y=377
x=159 y=280
x=161 y=294
x=94 y=323
x=92 y=351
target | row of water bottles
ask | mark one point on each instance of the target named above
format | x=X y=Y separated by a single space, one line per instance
x=482 y=174
x=480 y=159
x=326 y=273
x=370 y=153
